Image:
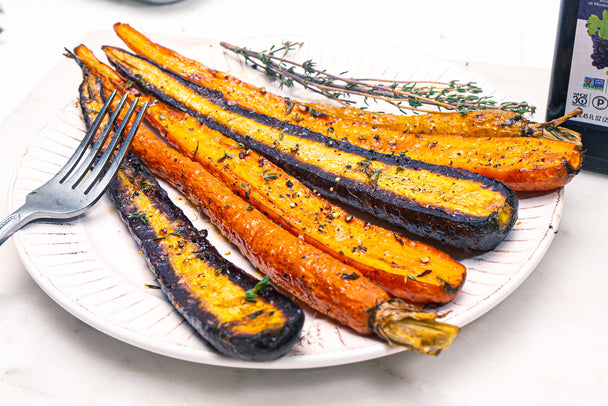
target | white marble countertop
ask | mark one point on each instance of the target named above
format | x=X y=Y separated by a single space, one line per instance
x=544 y=344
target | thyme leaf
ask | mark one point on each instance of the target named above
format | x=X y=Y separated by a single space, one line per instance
x=226 y=156
x=195 y=149
x=268 y=176
x=141 y=216
x=146 y=185
x=252 y=293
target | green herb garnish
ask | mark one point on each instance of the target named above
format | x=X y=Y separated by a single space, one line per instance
x=268 y=176
x=141 y=216
x=226 y=156
x=195 y=150
x=404 y=95
x=146 y=185
x=252 y=293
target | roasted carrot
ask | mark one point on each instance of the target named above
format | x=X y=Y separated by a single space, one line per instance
x=479 y=124
x=315 y=278
x=308 y=274
x=523 y=163
x=405 y=268
x=207 y=290
x=454 y=207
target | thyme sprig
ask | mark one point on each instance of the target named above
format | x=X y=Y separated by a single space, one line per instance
x=406 y=96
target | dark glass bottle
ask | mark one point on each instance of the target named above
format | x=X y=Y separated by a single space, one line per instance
x=579 y=77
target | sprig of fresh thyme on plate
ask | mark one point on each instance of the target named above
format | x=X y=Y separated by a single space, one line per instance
x=404 y=95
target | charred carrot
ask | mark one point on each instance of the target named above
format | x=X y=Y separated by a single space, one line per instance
x=308 y=274
x=405 y=268
x=207 y=290
x=479 y=124
x=523 y=163
x=455 y=207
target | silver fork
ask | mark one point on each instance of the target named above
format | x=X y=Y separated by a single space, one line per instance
x=83 y=179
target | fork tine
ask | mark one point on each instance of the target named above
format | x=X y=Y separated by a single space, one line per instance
x=57 y=199
x=101 y=164
x=83 y=166
x=98 y=189
x=86 y=141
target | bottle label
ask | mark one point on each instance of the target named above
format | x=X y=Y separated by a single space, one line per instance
x=588 y=84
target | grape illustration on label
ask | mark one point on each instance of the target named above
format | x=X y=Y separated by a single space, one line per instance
x=598 y=30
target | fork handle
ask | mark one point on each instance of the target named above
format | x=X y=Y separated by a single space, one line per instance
x=14 y=222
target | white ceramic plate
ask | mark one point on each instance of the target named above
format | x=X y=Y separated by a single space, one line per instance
x=93 y=269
